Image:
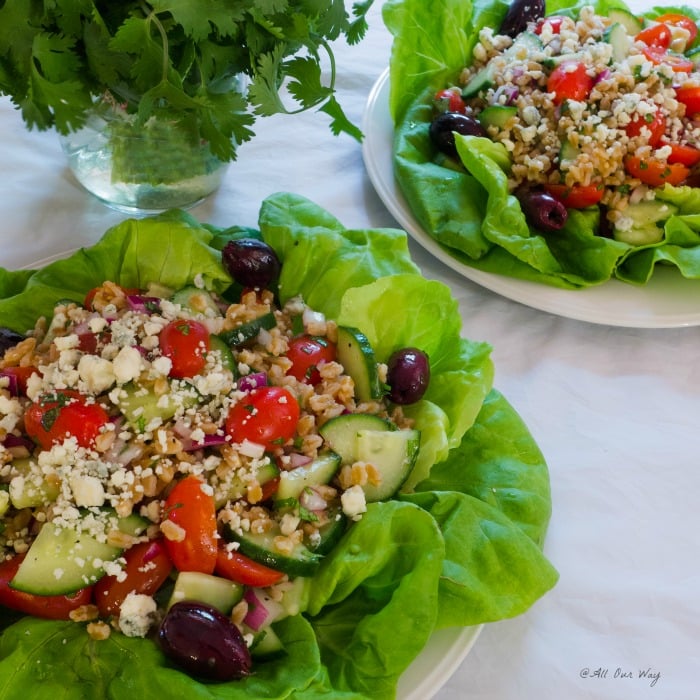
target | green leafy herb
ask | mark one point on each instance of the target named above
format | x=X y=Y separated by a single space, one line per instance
x=175 y=59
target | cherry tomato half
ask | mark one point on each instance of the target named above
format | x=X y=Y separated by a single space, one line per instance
x=678 y=20
x=62 y=414
x=21 y=374
x=657 y=35
x=656 y=173
x=193 y=510
x=306 y=353
x=576 y=196
x=52 y=607
x=268 y=416
x=147 y=568
x=684 y=154
x=654 y=124
x=237 y=567
x=677 y=62
x=186 y=343
x=689 y=95
x=569 y=81
x=554 y=21
x=451 y=100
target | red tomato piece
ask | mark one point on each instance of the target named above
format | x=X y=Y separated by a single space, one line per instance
x=555 y=22
x=655 y=124
x=189 y=507
x=678 y=20
x=268 y=416
x=237 y=567
x=678 y=62
x=684 y=154
x=52 y=607
x=689 y=95
x=307 y=353
x=21 y=374
x=452 y=101
x=576 y=196
x=63 y=414
x=657 y=35
x=656 y=173
x=147 y=568
x=570 y=81
x=186 y=343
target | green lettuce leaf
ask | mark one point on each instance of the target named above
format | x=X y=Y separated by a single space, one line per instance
x=471 y=213
x=395 y=558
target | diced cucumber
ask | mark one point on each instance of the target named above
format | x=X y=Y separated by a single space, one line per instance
x=694 y=56
x=618 y=38
x=295 y=598
x=567 y=153
x=632 y=24
x=355 y=353
x=481 y=80
x=61 y=561
x=227 y=360
x=248 y=331
x=140 y=405
x=29 y=488
x=237 y=487
x=340 y=433
x=557 y=59
x=265 y=644
x=320 y=471
x=330 y=533
x=198 y=301
x=4 y=501
x=221 y=593
x=393 y=454
x=647 y=219
x=497 y=115
x=300 y=561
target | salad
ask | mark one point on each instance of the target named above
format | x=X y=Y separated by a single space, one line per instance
x=148 y=510
x=566 y=136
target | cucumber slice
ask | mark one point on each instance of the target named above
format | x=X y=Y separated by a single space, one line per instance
x=618 y=38
x=482 y=80
x=355 y=353
x=340 y=433
x=198 y=301
x=318 y=472
x=694 y=56
x=393 y=454
x=248 y=331
x=261 y=548
x=330 y=533
x=216 y=591
x=632 y=24
x=265 y=644
x=647 y=222
x=140 y=405
x=227 y=360
x=237 y=488
x=61 y=561
x=29 y=488
x=497 y=115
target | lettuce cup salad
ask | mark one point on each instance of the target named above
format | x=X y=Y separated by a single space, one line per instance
x=250 y=463
x=559 y=144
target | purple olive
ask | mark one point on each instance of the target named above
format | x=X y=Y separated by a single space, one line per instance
x=408 y=375
x=542 y=211
x=8 y=339
x=204 y=642
x=251 y=262
x=519 y=14
x=444 y=126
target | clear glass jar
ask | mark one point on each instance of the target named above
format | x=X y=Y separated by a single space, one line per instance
x=141 y=169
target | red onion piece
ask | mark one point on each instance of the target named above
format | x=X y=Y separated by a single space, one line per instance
x=257 y=613
x=12 y=384
x=603 y=75
x=252 y=381
x=11 y=440
x=143 y=304
x=312 y=501
x=207 y=441
x=298 y=460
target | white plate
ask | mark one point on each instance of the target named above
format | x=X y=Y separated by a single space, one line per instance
x=443 y=653
x=667 y=301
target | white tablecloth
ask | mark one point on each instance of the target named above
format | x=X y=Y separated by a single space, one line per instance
x=615 y=411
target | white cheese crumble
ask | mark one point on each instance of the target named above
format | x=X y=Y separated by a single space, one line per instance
x=137 y=614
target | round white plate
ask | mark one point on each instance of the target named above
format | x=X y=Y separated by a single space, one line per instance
x=668 y=300
x=443 y=653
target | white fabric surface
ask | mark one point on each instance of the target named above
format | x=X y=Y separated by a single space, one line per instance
x=615 y=411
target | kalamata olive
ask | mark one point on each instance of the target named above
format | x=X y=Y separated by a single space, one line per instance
x=408 y=375
x=542 y=211
x=442 y=130
x=204 y=642
x=251 y=262
x=8 y=339
x=519 y=14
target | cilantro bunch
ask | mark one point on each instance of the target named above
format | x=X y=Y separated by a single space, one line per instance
x=176 y=59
